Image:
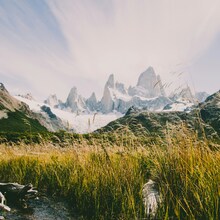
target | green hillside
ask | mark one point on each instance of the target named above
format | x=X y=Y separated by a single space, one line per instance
x=204 y=119
x=19 y=122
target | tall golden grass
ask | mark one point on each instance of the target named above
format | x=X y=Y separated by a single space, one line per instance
x=105 y=182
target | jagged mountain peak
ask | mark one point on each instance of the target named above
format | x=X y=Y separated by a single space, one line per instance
x=91 y=102
x=72 y=97
x=148 y=93
x=93 y=96
x=146 y=76
x=111 y=81
x=75 y=102
x=148 y=86
x=73 y=94
x=73 y=90
x=52 y=100
x=121 y=87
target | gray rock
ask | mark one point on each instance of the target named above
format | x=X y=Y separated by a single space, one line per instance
x=151 y=198
x=92 y=103
x=52 y=101
x=75 y=102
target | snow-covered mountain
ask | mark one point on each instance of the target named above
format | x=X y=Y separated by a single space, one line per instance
x=82 y=115
x=72 y=121
x=148 y=93
x=16 y=116
x=149 y=85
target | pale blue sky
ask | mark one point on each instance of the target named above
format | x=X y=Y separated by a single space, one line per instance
x=49 y=46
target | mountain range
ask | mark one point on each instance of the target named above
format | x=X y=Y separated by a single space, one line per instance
x=148 y=93
x=80 y=115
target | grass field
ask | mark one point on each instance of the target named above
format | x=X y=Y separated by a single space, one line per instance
x=103 y=181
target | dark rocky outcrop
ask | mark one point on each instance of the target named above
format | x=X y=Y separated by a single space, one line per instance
x=48 y=111
x=18 y=194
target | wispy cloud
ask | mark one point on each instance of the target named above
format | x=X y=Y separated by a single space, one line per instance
x=64 y=43
x=32 y=46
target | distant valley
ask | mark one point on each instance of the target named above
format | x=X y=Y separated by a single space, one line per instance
x=80 y=115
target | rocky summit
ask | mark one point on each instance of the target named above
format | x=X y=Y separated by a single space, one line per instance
x=149 y=85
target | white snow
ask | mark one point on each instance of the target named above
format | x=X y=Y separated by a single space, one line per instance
x=79 y=123
x=179 y=106
x=33 y=105
x=115 y=94
x=85 y=123
x=146 y=99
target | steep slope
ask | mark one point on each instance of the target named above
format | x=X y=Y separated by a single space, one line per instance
x=44 y=115
x=73 y=121
x=16 y=116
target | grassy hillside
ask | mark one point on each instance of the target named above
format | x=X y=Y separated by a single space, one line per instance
x=17 y=116
x=104 y=181
x=204 y=119
x=18 y=121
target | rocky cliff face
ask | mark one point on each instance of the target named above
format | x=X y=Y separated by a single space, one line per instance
x=107 y=101
x=52 y=100
x=148 y=85
x=75 y=102
x=8 y=102
x=92 y=103
x=16 y=116
x=147 y=93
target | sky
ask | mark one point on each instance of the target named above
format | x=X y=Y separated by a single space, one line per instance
x=49 y=46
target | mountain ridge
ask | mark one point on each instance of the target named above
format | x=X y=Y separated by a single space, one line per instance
x=204 y=118
x=149 y=92
x=16 y=116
